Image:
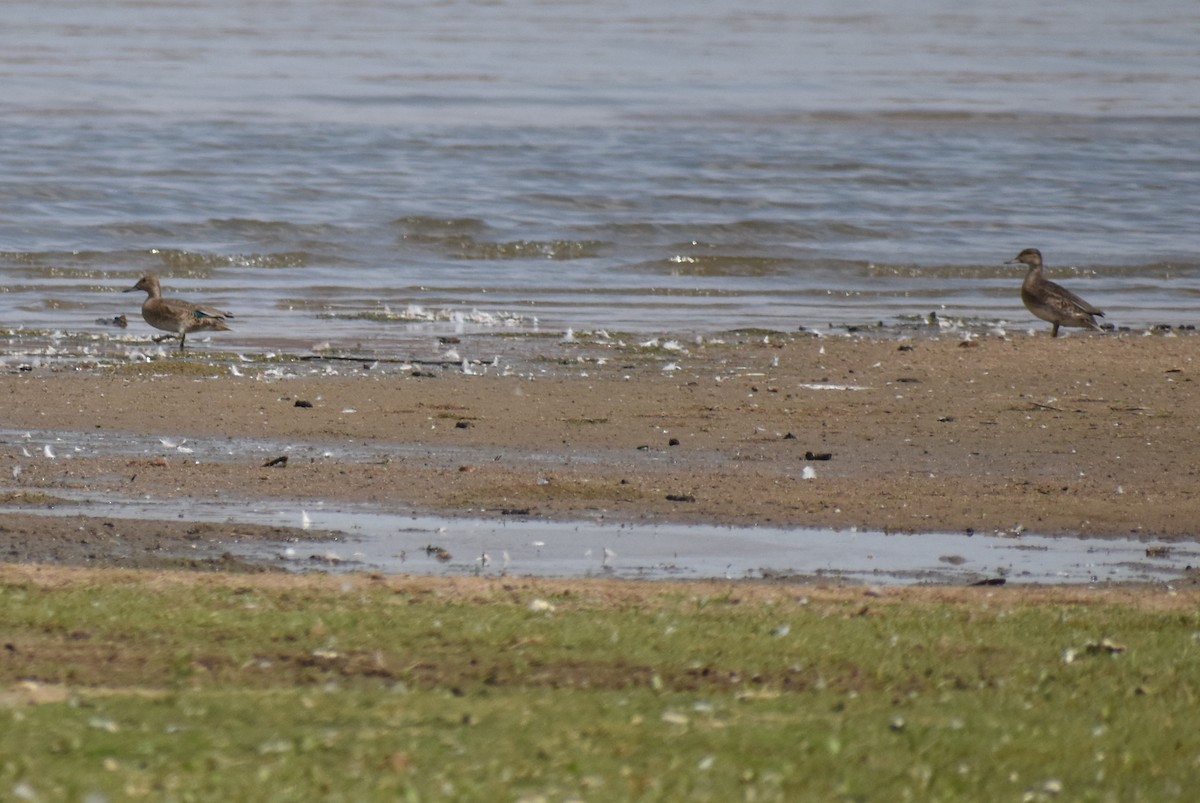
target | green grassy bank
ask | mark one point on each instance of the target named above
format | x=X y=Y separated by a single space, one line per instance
x=172 y=686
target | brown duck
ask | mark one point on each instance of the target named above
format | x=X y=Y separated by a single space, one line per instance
x=176 y=315
x=1053 y=302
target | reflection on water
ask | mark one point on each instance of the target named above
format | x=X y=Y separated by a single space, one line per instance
x=378 y=540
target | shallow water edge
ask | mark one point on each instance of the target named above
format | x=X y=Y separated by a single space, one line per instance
x=361 y=538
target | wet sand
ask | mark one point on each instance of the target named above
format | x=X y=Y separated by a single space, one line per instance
x=1087 y=435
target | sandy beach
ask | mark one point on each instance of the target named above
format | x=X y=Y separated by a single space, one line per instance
x=1089 y=435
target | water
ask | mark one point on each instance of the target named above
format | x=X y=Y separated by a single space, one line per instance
x=369 y=172
x=391 y=539
x=379 y=540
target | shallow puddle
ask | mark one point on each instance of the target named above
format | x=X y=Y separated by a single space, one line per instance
x=573 y=549
x=377 y=540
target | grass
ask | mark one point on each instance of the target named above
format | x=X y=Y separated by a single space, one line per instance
x=31 y=499
x=201 y=366
x=128 y=685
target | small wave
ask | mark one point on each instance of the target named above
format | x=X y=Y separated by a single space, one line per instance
x=442 y=234
x=106 y=264
x=57 y=263
x=470 y=248
x=417 y=313
x=428 y=225
x=686 y=263
x=176 y=260
x=710 y=265
x=1000 y=270
x=235 y=226
x=750 y=231
x=462 y=238
x=254 y=230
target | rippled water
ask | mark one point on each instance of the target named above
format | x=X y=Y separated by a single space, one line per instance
x=364 y=172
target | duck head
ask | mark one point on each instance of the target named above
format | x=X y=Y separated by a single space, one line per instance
x=1030 y=256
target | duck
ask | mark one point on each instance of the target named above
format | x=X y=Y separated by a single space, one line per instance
x=1053 y=302
x=174 y=314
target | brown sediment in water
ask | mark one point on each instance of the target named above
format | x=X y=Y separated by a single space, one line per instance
x=1092 y=435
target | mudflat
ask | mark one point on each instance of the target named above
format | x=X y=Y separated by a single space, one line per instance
x=1089 y=434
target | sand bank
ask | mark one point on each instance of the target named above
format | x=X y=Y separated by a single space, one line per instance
x=1091 y=434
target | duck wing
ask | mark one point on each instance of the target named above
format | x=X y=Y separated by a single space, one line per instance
x=201 y=311
x=173 y=312
x=186 y=309
x=1068 y=301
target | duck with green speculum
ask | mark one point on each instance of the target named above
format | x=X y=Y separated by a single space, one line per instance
x=1053 y=302
x=176 y=315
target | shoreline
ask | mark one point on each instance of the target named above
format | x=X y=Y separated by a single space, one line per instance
x=1086 y=435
